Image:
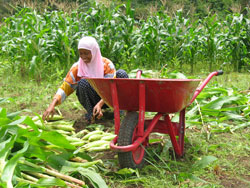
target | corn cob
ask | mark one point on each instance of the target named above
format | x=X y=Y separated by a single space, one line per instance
x=84 y=165
x=69 y=123
x=99 y=148
x=109 y=137
x=97 y=132
x=63 y=132
x=73 y=139
x=95 y=137
x=81 y=133
x=80 y=143
x=62 y=127
x=55 y=118
x=95 y=144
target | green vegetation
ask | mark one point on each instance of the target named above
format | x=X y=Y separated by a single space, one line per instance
x=37 y=44
x=143 y=8
x=38 y=154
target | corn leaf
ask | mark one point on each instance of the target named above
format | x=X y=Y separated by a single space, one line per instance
x=242 y=125
x=218 y=103
x=4 y=121
x=26 y=168
x=96 y=180
x=205 y=161
x=208 y=92
x=233 y=116
x=2 y=100
x=10 y=166
x=5 y=148
x=57 y=139
x=3 y=113
x=13 y=114
x=37 y=151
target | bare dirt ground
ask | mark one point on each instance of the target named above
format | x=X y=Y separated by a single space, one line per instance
x=78 y=116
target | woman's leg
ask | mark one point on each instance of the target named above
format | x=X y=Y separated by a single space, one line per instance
x=87 y=97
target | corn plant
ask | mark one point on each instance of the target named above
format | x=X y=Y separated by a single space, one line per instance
x=237 y=40
x=38 y=43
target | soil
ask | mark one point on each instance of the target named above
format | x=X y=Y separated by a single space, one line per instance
x=80 y=123
x=233 y=182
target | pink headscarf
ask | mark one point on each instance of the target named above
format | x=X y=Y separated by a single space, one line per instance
x=95 y=68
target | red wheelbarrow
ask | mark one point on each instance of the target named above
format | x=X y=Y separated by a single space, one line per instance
x=137 y=96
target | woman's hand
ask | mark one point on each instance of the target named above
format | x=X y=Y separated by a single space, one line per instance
x=50 y=110
x=97 y=111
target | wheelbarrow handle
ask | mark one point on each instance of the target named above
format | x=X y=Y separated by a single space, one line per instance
x=204 y=83
x=138 y=74
x=219 y=72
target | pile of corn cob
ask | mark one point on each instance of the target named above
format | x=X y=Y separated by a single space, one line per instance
x=85 y=140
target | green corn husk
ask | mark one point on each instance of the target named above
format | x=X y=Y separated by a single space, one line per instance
x=97 y=132
x=35 y=118
x=84 y=165
x=95 y=137
x=59 y=125
x=55 y=117
x=95 y=144
x=81 y=133
x=62 y=127
x=100 y=148
x=42 y=126
x=73 y=139
x=108 y=138
x=61 y=122
x=107 y=134
x=80 y=143
x=64 y=132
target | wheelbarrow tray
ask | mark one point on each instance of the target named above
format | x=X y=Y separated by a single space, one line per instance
x=161 y=95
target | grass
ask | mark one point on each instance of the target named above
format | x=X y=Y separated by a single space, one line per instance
x=231 y=169
x=235 y=80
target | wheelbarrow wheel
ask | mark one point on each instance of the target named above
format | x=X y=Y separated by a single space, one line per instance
x=127 y=135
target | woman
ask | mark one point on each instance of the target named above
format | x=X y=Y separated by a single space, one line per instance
x=90 y=64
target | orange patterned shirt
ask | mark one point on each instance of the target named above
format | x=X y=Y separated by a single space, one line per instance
x=70 y=81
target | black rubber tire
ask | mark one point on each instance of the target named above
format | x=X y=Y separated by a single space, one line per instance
x=127 y=129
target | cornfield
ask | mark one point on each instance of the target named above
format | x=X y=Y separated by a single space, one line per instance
x=40 y=44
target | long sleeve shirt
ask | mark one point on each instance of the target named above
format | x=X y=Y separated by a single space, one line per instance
x=70 y=81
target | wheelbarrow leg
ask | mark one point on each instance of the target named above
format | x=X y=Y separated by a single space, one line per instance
x=182 y=131
x=177 y=144
x=172 y=135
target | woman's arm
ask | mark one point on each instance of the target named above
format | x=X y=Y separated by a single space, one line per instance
x=50 y=110
x=97 y=110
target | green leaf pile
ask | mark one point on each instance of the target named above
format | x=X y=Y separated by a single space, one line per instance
x=34 y=154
